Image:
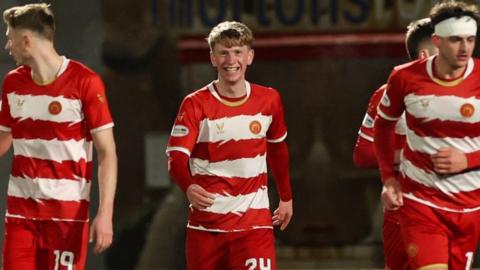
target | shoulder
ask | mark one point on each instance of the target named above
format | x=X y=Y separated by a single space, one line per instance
x=20 y=74
x=81 y=70
x=264 y=91
x=410 y=68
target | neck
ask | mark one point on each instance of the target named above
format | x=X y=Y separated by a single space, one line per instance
x=445 y=70
x=231 y=90
x=45 y=65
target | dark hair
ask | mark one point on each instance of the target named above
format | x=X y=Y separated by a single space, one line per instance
x=417 y=32
x=35 y=17
x=452 y=9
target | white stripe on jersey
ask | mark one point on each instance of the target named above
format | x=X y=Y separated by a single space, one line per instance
x=365 y=136
x=448 y=183
x=177 y=148
x=201 y=228
x=443 y=108
x=414 y=198
x=37 y=108
x=225 y=203
x=232 y=128
x=387 y=117
x=54 y=219
x=242 y=167
x=51 y=189
x=281 y=139
x=55 y=149
x=431 y=145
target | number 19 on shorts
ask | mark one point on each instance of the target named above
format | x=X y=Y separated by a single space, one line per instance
x=63 y=258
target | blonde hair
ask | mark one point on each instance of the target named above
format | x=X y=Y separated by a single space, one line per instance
x=35 y=17
x=229 y=34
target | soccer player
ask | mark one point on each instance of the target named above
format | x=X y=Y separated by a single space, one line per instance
x=437 y=190
x=418 y=45
x=223 y=137
x=53 y=109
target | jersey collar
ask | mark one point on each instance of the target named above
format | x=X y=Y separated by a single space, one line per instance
x=468 y=71
x=228 y=103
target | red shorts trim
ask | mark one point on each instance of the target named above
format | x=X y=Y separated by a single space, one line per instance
x=46 y=244
x=434 y=237
x=230 y=250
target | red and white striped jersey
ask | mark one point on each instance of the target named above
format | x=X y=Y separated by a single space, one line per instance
x=227 y=145
x=366 y=130
x=51 y=125
x=438 y=114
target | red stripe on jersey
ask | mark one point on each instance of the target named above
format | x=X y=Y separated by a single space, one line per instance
x=219 y=151
x=48 y=209
x=40 y=168
x=225 y=222
x=456 y=201
x=440 y=129
x=233 y=186
x=420 y=160
x=46 y=130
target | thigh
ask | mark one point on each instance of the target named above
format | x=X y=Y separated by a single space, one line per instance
x=425 y=236
x=465 y=240
x=19 y=245
x=395 y=253
x=252 y=250
x=206 y=250
x=63 y=245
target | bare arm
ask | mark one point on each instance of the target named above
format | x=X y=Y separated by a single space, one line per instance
x=102 y=229
x=5 y=142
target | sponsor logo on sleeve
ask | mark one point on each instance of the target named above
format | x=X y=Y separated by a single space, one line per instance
x=385 y=100
x=179 y=131
x=367 y=121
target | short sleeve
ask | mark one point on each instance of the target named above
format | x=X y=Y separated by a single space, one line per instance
x=95 y=105
x=391 y=104
x=277 y=131
x=366 y=130
x=5 y=116
x=183 y=136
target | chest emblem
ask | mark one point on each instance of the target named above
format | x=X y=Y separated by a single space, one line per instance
x=20 y=102
x=55 y=108
x=255 y=127
x=467 y=110
x=424 y=103
x=220 y=127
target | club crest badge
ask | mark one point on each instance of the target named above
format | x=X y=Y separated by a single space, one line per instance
x=467 y=110
x=55 y=108
x=255 y=127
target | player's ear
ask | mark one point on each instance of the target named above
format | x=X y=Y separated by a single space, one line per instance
x=212 y=59
x=422 y=54
x=251 y=54
x=436 y=40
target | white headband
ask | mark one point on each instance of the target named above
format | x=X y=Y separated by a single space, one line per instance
x=465 y=25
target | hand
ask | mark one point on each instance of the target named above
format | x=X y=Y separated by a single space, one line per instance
x=199 y=197
x=101 y=232
x=283 y=214
x=392 y=197
x=449 y=160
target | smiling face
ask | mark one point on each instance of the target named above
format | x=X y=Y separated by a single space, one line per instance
x=231 y=62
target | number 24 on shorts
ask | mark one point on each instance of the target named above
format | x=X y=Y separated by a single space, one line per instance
x=263 y=264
